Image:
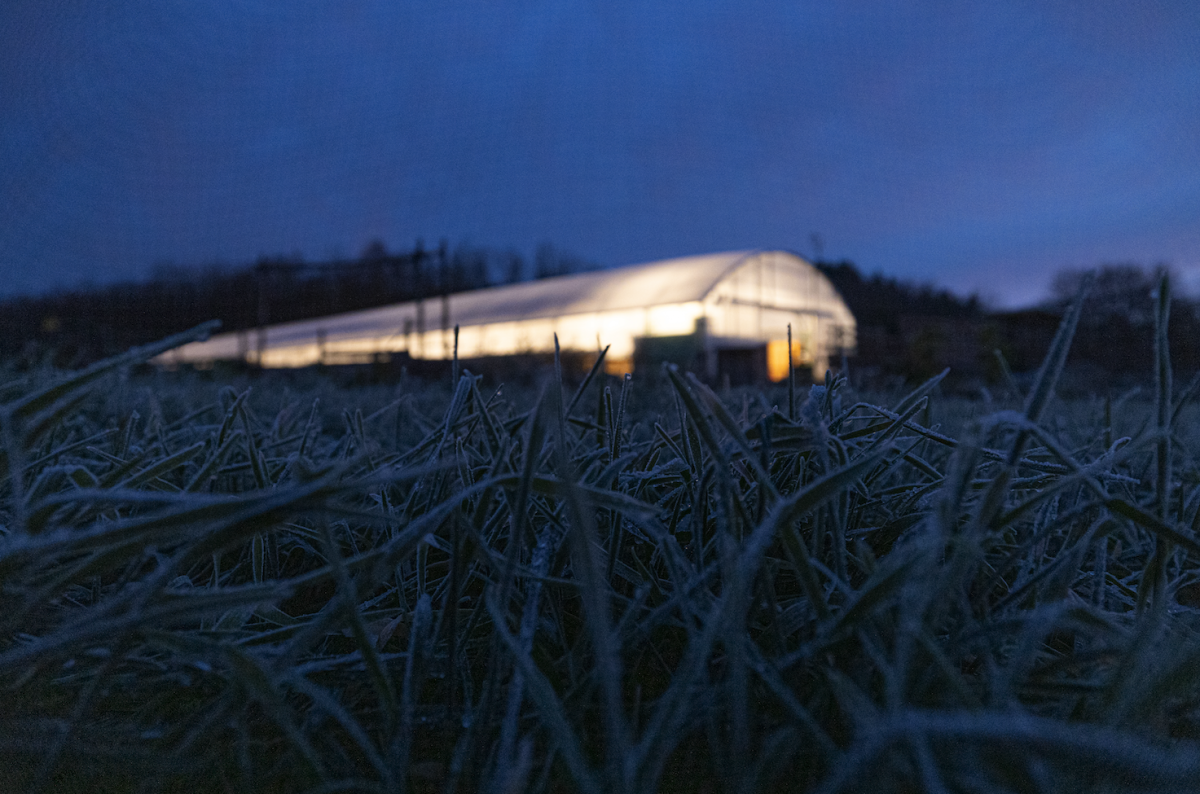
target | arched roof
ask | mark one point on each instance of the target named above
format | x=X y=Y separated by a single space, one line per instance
x=660 y=283
x=633 y=286
x=667 y=281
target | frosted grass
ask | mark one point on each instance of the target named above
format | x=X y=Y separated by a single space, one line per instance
x=623 y=591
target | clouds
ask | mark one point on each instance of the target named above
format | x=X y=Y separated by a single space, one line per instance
x=961 y=145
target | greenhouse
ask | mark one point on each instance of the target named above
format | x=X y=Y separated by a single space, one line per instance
x=718 y=312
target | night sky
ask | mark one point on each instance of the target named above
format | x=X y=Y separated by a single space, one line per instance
x=977 y=145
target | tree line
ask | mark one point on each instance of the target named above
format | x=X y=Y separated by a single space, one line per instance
x=906 y=331
x=912 y=331
x=72 y=327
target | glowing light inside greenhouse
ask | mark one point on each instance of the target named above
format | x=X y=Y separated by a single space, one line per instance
x=740 y=300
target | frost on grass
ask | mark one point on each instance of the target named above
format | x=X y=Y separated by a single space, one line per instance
x=608 y=589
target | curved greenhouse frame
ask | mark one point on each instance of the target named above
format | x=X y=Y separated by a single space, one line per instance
x=721 y=305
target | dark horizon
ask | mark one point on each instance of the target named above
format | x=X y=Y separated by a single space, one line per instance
x=496 y=264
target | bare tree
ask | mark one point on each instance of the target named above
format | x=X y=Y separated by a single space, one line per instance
x=1124 y=291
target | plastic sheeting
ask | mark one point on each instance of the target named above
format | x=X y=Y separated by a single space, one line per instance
x=728 y=300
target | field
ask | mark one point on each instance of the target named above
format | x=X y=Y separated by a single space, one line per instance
x=607 y=586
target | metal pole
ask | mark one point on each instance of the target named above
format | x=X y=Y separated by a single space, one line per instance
x=264 y=309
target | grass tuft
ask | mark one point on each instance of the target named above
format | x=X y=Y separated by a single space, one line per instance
x=438 y=590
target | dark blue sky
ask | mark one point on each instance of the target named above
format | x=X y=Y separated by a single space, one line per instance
x=979 y=145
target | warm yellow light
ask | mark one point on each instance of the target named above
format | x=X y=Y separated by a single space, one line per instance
x=581 y=332
x=675 y=319
x=284 y=357
x=618 y=366
x=777 y=358
x=745 y=299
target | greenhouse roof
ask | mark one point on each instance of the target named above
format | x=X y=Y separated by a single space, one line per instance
x=611 y=293
x=633 y=286
x=668 y=281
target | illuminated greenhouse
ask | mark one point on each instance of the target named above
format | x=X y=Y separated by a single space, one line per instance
x=720 y=312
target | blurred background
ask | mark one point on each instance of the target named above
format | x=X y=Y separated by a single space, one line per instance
x=153 y=153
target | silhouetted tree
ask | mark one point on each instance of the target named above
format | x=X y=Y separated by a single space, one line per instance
x=513 y=267
x=376 y=251
x=881 y=300
x=1119 y=291
x=1116 y=328
x=80 y=325
x=549 y=261
x=909 y=330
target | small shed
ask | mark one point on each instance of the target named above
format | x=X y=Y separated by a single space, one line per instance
x=731 y=309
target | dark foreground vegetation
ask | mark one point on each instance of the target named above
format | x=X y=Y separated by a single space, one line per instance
x=604 y=588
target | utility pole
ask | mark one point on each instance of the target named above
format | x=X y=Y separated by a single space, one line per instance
x=444 y=283
x=264 y=308
x=419 y=281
